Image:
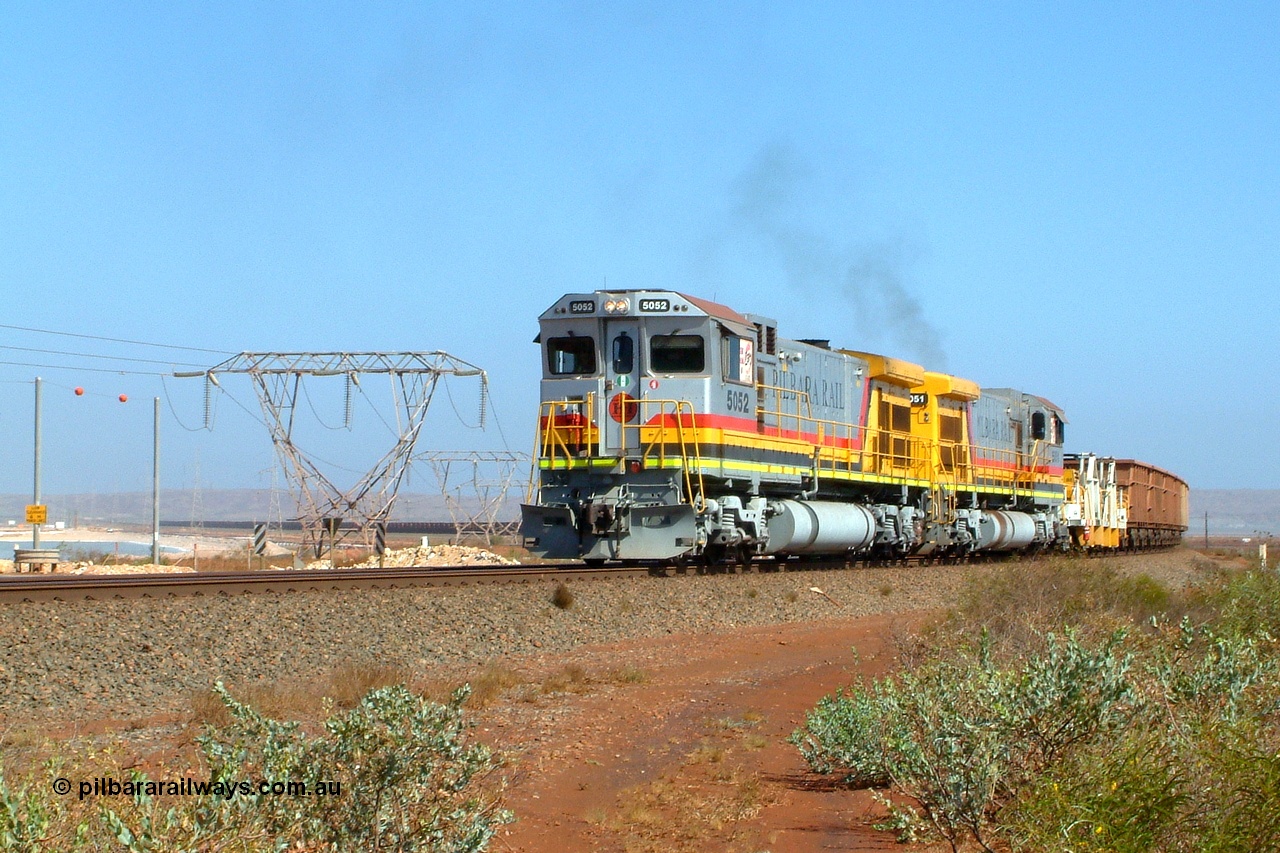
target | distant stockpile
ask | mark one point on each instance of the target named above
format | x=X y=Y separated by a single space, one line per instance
x=435 y=555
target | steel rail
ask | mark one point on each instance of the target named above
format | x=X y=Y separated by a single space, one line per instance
x=16 y=588
x=33 y=588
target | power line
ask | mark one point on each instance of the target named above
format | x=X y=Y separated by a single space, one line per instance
x=114 y=340
x=173 y=410
x=105 y=357
x=83 y=369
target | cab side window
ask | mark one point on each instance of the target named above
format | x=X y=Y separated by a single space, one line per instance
x=571 y=356
x=677 y=354
x=737 y=359
x=1038 y=426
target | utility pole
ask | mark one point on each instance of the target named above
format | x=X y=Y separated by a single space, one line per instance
x=35 y=496
x=155 y=487
x=1206 y=529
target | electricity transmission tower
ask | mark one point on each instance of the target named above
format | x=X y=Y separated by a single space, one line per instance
x=475 y=485
x=322 y=505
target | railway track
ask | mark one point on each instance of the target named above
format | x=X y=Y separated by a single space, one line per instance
x=91 y=587
x=88 y=587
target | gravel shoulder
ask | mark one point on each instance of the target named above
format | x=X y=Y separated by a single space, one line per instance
x=138 y=658
x=651 y=715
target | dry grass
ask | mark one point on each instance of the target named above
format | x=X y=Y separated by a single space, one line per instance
x=21 y=737
x=507 y=550
x=302 y=699
x=701 y=807
x=230 y=561
x=706 y=754
x=747 y=720
x=1034 y=597
x=627 y=675
x=292 y=700
x=344 y=686
x=490 y=683
x=571 y=678
x=350 y=682
x=562 y=597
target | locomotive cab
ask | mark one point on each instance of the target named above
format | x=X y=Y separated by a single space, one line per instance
x=626 y=376
x=620 y=356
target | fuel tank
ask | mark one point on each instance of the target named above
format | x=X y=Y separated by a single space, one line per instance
x=1002 y=530
x=819 y=527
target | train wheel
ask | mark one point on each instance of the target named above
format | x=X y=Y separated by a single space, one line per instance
x=713 y=558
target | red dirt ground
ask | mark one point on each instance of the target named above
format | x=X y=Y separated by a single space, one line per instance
x=695 y=757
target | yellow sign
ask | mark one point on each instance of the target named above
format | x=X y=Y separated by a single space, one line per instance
x=37 y=513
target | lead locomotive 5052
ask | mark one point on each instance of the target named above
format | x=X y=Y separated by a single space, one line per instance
x=672 y=427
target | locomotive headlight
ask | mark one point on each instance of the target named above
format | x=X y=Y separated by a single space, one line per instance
x=617 y=306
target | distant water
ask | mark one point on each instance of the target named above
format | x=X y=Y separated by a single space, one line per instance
x=75 y=550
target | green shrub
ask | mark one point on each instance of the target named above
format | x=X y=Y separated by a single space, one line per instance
x=962 y=736
x=1237 y=769
x=1036 y=597
x=397 y=771
x=402 y=765
x=1167 y=738
x=1200 y=772
x=1125 y=798
x=27 y=814
x=1246 y=603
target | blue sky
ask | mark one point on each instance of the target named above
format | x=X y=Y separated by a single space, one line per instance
x=1078 y=200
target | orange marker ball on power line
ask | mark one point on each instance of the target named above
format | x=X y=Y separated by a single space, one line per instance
x=124 y=398
x=79 y=391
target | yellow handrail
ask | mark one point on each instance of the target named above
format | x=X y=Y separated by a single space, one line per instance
x=567 y=430
x=780 y=394
x=678 y=411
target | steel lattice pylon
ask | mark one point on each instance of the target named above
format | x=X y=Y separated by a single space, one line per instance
x=277 y=378
x=486 y=475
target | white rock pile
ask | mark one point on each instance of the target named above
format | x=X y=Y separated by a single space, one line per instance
x=435 y=555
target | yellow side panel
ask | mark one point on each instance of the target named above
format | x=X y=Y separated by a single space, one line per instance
x=887 y=369
x=951 y=387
